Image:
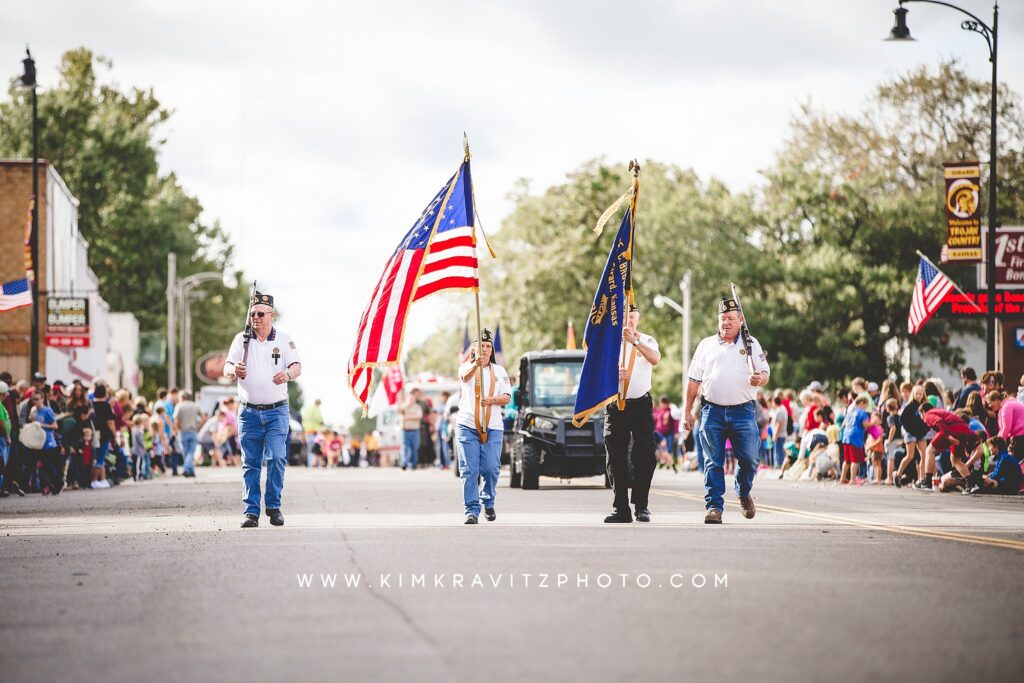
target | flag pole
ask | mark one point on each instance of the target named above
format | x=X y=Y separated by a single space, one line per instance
x=481 y=429
x=635 y=168
x=955 y=286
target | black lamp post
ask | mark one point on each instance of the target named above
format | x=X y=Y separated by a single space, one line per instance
x=900 y=32
x=28 y=80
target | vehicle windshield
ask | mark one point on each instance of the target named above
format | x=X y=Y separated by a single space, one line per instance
x=555 y=383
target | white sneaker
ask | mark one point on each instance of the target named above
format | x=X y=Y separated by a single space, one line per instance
x=102 y=484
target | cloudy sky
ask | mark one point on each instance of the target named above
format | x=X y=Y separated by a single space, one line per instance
x=317 y=131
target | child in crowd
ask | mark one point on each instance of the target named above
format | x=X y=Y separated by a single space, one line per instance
x=159 y=449
x=1006 y=477
x=140 y=455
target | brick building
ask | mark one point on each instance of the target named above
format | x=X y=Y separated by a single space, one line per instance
x=63 y=273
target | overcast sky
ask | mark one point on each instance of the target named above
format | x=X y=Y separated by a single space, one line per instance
x=316 y=132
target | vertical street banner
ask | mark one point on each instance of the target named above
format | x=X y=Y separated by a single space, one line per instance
x=963 y=211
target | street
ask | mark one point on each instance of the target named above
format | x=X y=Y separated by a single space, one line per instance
x=155 y=581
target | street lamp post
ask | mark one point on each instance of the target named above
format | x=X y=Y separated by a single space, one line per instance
x=661 y=301
x=184 y=296
x=900 y=32
x=28 y=80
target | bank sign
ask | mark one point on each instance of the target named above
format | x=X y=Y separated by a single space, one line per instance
x=1009 y=259
x=67 y=321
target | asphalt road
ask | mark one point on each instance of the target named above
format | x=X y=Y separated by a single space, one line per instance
x=155 y=581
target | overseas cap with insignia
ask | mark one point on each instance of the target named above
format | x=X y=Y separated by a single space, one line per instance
x=485 y=336
x=261 y=298
x=728 y=305
x=633 y=308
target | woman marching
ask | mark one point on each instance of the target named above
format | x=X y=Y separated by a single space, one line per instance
x=485 y=389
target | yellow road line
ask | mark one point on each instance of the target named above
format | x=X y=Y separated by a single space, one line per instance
x=1010 y=544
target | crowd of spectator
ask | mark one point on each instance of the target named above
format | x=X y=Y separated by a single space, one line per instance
x=919 y=435
x=60 y=436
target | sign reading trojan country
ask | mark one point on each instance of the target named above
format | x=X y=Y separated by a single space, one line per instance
x=963 y=211
x=67 y=321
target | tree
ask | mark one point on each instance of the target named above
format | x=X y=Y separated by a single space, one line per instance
x=105 y=142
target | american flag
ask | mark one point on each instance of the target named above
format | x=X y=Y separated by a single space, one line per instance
x=16 y=294
x=930 y=291
x=437 y=254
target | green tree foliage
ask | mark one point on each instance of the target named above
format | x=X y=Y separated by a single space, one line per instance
x=823 y=250
x=105 y=141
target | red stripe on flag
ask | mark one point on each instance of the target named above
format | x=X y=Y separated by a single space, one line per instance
x=452 y=262
x=403 y=305
x=446 y=283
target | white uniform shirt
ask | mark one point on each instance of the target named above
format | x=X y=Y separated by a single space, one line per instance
x=723 y=370
x=640 y=378
x=467 y=402
x=261 y=366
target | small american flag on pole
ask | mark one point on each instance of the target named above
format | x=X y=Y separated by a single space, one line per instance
x=930 y=291
x=15 y=294
x=437 y=254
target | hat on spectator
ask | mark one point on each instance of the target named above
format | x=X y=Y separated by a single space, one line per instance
x=872 y=386
x=38 y=377
x=4 y=388
x=815 y=386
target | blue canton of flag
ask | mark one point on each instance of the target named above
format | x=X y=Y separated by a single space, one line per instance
x=16 y=293
x=599 y=379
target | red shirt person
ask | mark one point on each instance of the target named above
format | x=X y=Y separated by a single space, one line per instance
x=952 y=434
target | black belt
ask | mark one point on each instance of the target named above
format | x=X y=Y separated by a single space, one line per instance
x=706 y=402
x=265 y=406
x=645 y=397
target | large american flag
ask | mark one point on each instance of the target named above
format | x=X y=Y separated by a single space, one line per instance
x=930 y=291
x=15 y=294
x=438 y=254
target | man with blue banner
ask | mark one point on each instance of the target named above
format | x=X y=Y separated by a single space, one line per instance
x=617 y=371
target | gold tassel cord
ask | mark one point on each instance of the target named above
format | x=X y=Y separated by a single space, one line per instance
x=610 y=211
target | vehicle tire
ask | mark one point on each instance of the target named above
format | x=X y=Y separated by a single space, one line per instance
x=515 y=476
x=531 y=466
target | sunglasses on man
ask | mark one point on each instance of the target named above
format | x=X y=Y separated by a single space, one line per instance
x=258 y=314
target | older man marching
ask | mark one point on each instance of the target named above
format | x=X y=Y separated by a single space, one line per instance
x=726 y=374
x=263 y=367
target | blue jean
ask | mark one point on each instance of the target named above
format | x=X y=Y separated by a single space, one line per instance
x=310 y=455
x=5 y=455
x=188 y=447
x=736 y=423
x=475 y=460
x=780 y=451
x=410 y=448
x=446 y=457
x=263 y=435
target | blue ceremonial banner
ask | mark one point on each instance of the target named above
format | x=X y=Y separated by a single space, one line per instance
x=599 y=380
x=499 y=354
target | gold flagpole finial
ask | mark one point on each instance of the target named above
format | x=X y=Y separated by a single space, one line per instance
x=465 y=144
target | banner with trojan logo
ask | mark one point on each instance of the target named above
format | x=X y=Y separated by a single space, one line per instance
x=963 y=211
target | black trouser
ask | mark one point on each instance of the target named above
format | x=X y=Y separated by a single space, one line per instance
x=15 y=471
x=51 y=476
x=635 y=422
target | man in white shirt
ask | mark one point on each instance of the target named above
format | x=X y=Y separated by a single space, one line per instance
x=479 y=428
x=263 y=368
x=635 y=420
x=727 y=374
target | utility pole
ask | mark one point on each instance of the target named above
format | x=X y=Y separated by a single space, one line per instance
x=172 y=310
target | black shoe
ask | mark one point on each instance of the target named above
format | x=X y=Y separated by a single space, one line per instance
x=471 y=519
x=276 y=518
x=490 y=514
x=17 y=488
x=922 y=486
x=251 y=522
x=968 y=490
x=898 y=481
x=643 y=515
x=619 y=517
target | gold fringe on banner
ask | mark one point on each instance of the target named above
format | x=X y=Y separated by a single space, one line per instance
x=610 y=211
